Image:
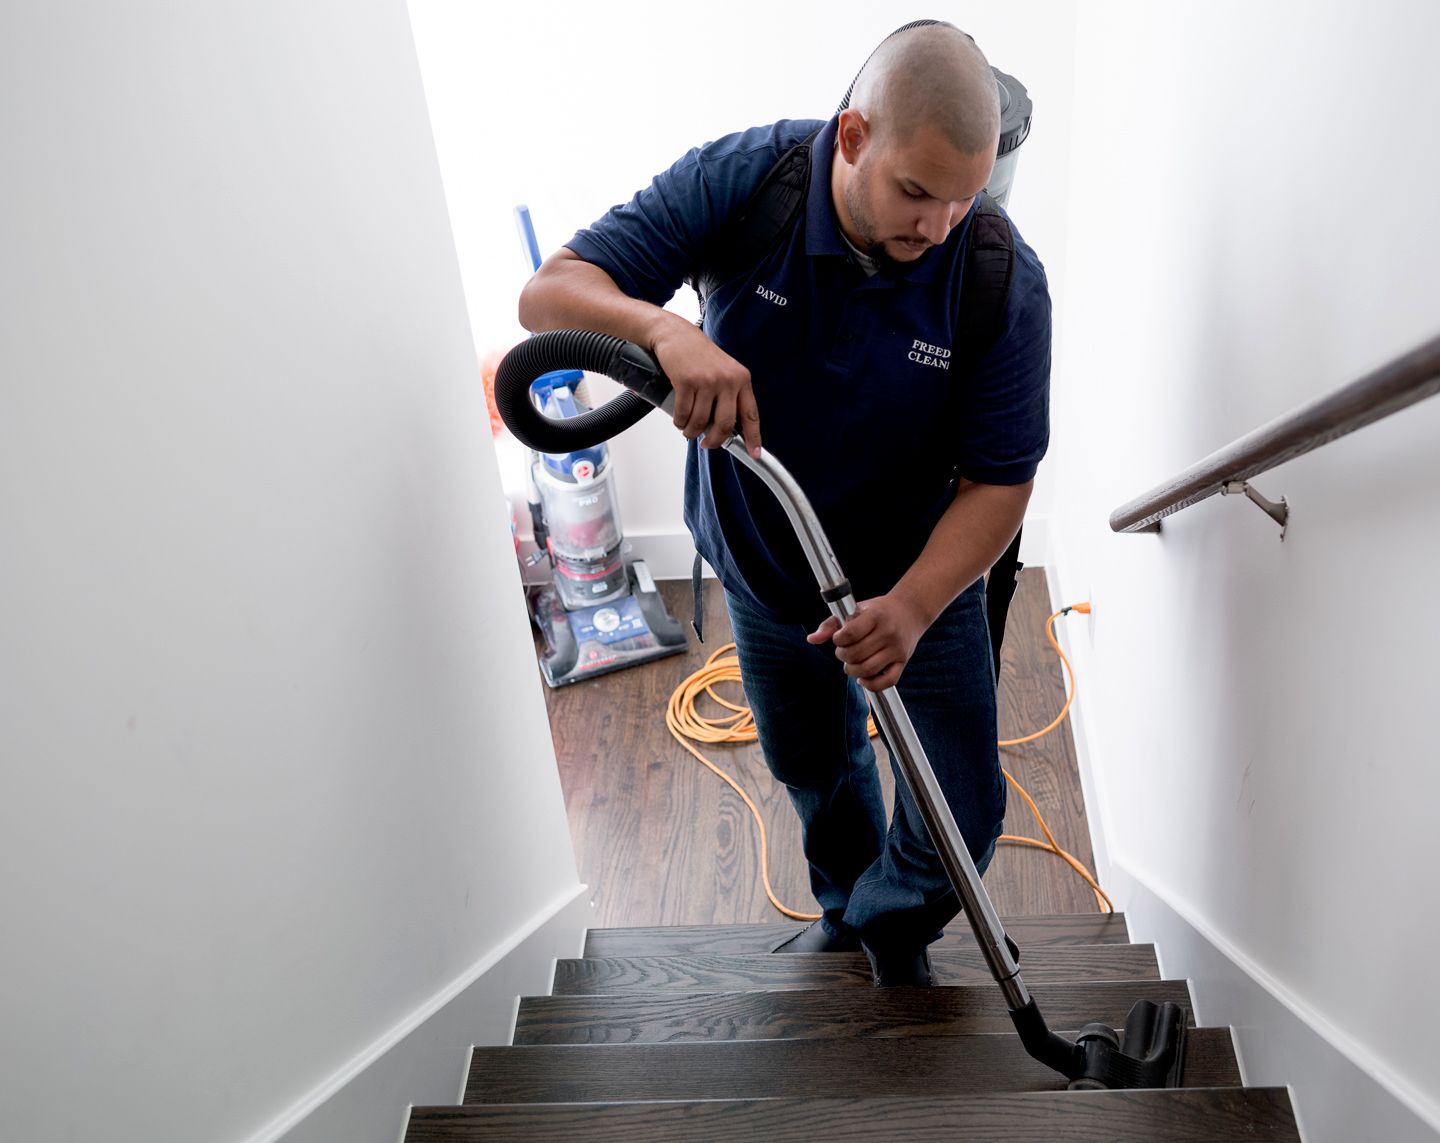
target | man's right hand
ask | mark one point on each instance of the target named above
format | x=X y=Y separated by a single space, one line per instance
x=713 y=398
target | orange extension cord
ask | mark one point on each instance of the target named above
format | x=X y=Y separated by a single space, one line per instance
x=688 y=725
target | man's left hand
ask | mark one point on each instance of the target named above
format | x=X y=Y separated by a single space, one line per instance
x=876 y=642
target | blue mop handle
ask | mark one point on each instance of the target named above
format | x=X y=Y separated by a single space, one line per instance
x=527 y=236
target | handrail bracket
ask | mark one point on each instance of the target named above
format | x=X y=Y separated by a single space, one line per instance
x=1280 y=512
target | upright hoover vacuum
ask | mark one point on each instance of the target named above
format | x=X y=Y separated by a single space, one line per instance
x=1150 y=1051
x=601 y=610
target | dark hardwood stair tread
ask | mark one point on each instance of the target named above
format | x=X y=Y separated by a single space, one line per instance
x=843 y=970
x=771 y=1069
x=659 y=1016
x=680 y=940
x=1188 y=1115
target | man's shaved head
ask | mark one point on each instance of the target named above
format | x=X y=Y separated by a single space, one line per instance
x=932 y=76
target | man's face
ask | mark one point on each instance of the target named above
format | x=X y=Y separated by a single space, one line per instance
x=904 y=197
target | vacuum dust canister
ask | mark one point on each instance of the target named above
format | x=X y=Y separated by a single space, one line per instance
x=578 y=496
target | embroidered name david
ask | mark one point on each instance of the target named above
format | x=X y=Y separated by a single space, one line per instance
x=772 y=296
x=926 y=354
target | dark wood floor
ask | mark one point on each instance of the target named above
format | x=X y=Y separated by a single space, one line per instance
x=660 y=840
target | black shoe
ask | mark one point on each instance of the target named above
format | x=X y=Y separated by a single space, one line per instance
x=816 y=938
x=900 y=970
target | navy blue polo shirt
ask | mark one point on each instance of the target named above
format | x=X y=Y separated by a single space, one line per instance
x=851 y=374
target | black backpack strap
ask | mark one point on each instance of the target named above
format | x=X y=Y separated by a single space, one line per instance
x=740 y=244
x=697 y=620
x=989 y=265
x=1000 y=587
x=744 y=240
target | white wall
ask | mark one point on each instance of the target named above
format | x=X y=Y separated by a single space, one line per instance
x=583 y=105
x=272 y=781
x=1254 y=225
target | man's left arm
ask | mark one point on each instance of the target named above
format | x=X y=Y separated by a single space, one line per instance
x=973 y=533
x=1002 y=427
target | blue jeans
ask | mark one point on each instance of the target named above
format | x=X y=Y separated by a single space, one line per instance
x=885 y=885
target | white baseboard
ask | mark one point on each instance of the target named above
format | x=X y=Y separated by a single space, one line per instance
x=423 y=1059
x=1340 y=1093
x=1069 y=635
x=669 y=555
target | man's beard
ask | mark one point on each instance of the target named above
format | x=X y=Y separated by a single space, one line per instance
x=883 y=261
x=870 y=245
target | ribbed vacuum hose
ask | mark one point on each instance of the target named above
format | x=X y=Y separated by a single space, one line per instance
x=569 y=349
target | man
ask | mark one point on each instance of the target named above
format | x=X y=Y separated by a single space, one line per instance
x=842 y=338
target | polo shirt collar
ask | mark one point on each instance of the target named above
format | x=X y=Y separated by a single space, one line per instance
x=822 y=228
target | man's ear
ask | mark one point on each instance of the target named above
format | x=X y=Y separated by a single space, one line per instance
x=852 y=134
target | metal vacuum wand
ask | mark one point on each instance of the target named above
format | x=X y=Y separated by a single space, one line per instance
x=899 y=733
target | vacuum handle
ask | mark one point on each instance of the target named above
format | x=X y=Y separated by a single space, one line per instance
x=621 y=360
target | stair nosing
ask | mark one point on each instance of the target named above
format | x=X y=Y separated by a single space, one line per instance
x=788 y=971
x=958 y=932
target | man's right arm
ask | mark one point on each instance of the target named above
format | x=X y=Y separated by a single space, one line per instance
x=713 y=398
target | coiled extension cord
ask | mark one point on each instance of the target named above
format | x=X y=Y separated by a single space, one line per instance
x=688 y=726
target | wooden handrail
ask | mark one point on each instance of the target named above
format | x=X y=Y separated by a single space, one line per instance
x=1402 y=382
